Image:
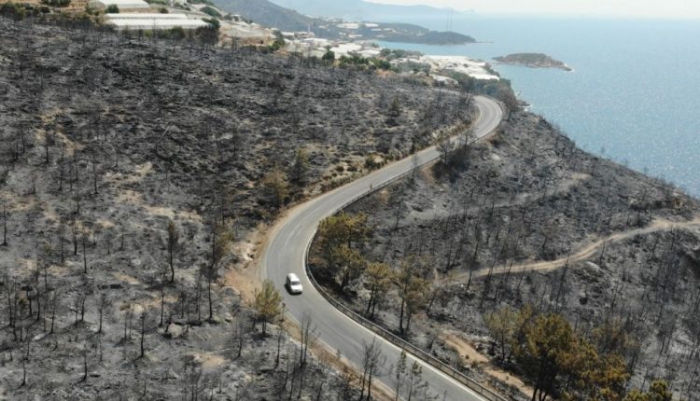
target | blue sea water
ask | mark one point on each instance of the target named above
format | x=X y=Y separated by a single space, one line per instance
x=634 y=95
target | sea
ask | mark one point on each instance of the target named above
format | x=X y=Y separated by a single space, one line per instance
x=634 y=94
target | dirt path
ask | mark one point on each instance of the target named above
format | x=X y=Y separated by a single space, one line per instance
x=470 y=356
x=585 y=252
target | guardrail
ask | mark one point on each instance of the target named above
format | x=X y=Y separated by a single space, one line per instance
x=403 y=344
x=386 y=334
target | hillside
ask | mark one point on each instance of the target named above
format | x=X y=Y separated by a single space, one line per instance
x=359 y=10
x=272 y=15
x=269 y=14
x=138 y=177
x=526 y=218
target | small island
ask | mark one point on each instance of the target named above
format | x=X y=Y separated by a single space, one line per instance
x=532 y=60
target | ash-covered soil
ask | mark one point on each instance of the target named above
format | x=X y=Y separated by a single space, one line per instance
x=527 y=218
x=105 y=141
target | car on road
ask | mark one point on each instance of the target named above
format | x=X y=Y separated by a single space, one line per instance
x=293 y=284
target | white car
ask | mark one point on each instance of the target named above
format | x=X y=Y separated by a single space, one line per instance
x=293 y=284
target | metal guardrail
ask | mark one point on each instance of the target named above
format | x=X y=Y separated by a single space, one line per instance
x=386 y=334
x=403 y=344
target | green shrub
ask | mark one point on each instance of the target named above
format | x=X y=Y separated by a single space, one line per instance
x=14 y=11
x=211 y=11
x=372 y=163
x=112 y=9
x=382 y=64
x=213 y=22
x=56 y=3
x=329 y=56
x=164 y=10
x=177 y=33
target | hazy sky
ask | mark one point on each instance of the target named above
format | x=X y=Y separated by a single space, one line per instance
x=615 y=8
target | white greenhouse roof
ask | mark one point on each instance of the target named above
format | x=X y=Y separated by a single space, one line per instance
x=123 y=4
x=149 y=16
x=145 y=24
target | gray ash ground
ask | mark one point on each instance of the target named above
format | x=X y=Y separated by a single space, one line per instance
x=511 y=211
x=106 y=140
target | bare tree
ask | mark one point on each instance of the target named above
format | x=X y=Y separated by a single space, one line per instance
x=400 y=373
x=55 y=305
x=85 y=359
x=173 y=238
x=309 y=334
x=4 y=225
x=373 y=361
x=445 y=146
x=143 y=332
x=239 y=335
x=103 y=304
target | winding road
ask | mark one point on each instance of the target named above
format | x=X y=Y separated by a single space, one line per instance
x=286 y=253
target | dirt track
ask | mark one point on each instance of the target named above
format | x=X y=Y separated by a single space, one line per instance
x=585 y=252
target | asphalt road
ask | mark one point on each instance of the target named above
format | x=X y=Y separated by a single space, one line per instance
x=286 y=249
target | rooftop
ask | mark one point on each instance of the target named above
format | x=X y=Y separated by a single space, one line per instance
x=159 y=16
x=125 y=4
x=155 y=23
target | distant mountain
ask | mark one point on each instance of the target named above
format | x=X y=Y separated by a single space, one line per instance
x=272 y=15
x=268 y=14
x=359 y=10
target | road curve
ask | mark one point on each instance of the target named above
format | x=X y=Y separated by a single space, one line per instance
x=286 y=253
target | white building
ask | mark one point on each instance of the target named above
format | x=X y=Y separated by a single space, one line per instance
x=153 y=21
x=122 y=4
x=148 y=16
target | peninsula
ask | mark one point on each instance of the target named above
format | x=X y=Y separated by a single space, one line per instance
x=532 y=60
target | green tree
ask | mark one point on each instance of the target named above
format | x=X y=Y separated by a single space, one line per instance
x=279 y=42
x=547 y=343
x=275 y=187
x=343 y=229
x=300 y=169
x=381 y=64
x=211 y=11
x=338 y=237
x=395 y=108
x=268 y=304
x=213 y=23
x=413 y=291
x=378 y=277
x=328 y=56
x=346 y=264
x=14 y=11
x=177 y=33
x=658 y=391
x=502 y=325
x=559 y=361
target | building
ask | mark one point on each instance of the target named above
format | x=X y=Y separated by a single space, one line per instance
x=122 y=4
x=146 y=16
x=149 y=22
